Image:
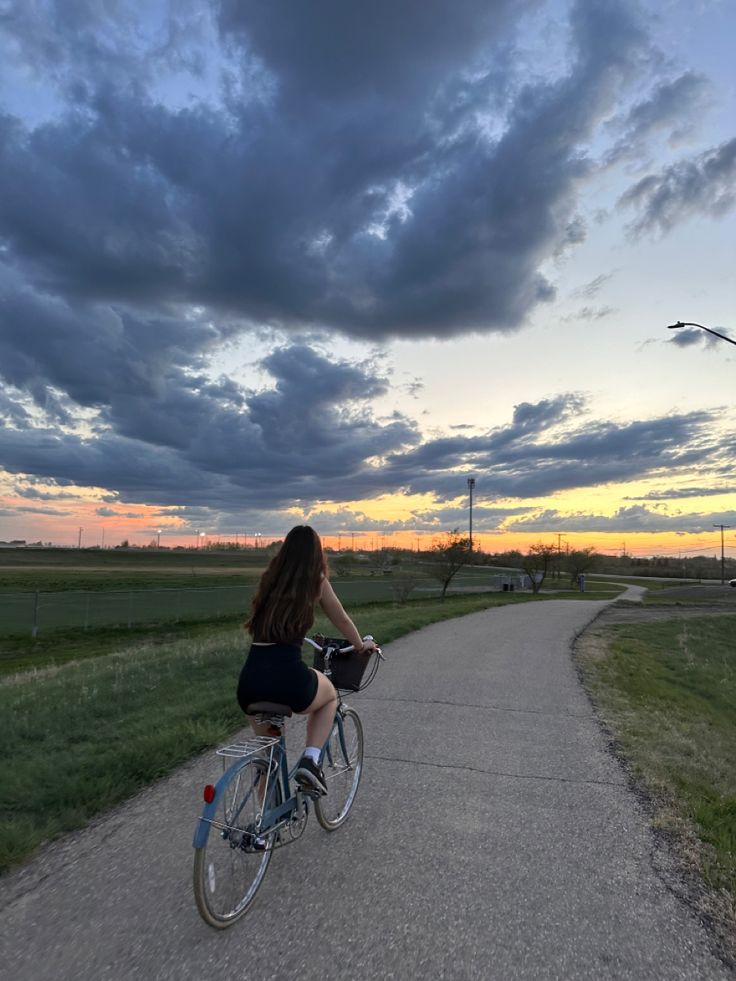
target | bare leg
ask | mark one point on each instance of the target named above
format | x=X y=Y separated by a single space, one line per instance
x=321 y=713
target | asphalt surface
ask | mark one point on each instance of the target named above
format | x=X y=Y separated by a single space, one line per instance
x=493 y=837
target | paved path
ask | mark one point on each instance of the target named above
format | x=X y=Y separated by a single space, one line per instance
x=493 y=838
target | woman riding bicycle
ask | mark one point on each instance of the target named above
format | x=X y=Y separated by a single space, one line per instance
x=282 y=613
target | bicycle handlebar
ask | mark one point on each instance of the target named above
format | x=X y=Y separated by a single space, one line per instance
x=345 y=650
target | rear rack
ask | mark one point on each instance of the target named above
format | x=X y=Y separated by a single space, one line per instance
x=254 y=746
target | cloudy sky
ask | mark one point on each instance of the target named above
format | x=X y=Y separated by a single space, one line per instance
x=265 y=262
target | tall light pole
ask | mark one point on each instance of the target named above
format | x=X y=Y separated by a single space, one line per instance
x=723 y=555
x=471 y=485
x=714 y=332
x=559 y=553
x=158 y=538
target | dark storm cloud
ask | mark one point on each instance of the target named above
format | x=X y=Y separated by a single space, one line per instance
x=307 y=437
x=679 y=493
x=703 y=185
x=54 y=512
x=524 y=461
x=330 y=50
x=94 y=353
x=311 y=437
x=485 y=519
x=33 y=494
x=13 y=411
x=112 y=513
x=693 y=336
x=636 y=518
x=355 y=185
x=537 y=416
x=674 y=107
x=378 y=169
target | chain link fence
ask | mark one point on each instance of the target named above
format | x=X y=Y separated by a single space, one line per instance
x=39 y=612
x=34 y=613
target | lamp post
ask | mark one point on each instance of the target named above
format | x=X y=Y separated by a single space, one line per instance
x=158 y=538
x=690 y=324
x=723 y=554
x=200 y=541
x=471 y=485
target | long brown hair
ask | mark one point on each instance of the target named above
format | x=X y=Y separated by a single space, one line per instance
x=283 y=606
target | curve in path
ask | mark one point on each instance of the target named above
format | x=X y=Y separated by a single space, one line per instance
x=494 y=837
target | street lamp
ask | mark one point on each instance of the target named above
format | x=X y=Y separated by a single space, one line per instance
x=723 y=554
x=158 y=538
x=471 y=485
x=201 y=539
x=689 y=324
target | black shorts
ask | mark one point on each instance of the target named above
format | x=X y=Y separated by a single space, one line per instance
x=276 y=673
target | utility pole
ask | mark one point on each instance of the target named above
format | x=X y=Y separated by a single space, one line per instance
x=723 y=554
x=79 y=539
x=471 y=485
x=559 y=554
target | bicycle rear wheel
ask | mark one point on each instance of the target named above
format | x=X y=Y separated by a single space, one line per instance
x=342 y=763
x=229 y=868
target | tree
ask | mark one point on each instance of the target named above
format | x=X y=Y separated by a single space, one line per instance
x=448 y=557
x=537 y=563
x=402 y=588
x=580 y=561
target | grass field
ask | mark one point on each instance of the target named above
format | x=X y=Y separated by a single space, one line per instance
x=64 y=589
x=96 y=714
x=81 y=736
x=667 y=692
x=20 y=651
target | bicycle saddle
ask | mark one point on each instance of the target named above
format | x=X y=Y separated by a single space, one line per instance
x=268 y=708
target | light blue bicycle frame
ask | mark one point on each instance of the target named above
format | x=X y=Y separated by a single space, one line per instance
x=272 y=817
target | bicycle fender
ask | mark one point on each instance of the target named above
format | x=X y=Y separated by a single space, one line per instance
x=204 y=824
x=208 y=814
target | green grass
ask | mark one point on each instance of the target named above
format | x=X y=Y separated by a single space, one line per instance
x=87 y=731
x=61 y=646
x=53 y=581
x=81 y=736
x=668 y=693
x=651 y=585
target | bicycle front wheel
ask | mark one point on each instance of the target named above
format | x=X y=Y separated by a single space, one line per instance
x=230 y=866
x=342 y=763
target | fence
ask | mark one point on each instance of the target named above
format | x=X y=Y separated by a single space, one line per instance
x=34 y=613
x=24 y=613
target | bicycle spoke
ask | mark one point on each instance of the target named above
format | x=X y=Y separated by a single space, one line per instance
x=342 y=764
x=230 y=866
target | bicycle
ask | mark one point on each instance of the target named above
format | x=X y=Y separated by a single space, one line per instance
x=252 y=809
